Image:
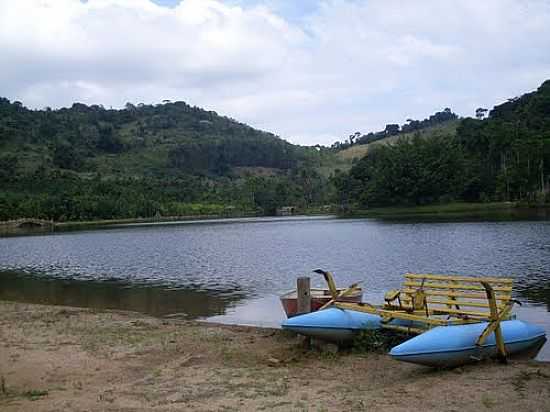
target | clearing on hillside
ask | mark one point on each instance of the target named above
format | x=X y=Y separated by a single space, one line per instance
x=359 y=151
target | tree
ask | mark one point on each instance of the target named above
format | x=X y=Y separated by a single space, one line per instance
x=353 y=136
x=391 y=129
x=65 y=156
x=480 y=113
x=8 y=166
x=411 y=171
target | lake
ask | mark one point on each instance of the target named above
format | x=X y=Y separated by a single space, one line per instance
x=233 y=270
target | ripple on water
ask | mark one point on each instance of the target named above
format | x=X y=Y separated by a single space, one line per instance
x=245 y=260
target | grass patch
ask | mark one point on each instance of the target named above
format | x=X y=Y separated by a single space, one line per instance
x=456 y=207
x=375 y=340
x=108 y=339
x=35 y=394
x=31 y=394
x=487 y=401
x=272 y=405
x=359 y=150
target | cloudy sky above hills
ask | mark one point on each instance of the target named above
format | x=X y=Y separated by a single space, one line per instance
x=312 y=71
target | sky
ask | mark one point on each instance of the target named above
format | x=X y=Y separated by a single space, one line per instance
x=310 y=71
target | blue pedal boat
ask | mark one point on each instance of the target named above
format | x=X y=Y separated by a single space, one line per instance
x=458 y=319
x=448 y=346
x=442 y=346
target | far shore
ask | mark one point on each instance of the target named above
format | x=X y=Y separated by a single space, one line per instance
x=446 y=212
x=458 y=210
x=8 y=227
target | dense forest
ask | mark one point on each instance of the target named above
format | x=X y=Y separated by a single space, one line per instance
x=505 y=157
x=88 y=162
x=172 y=159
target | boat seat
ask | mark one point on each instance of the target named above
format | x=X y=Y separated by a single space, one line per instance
x=391 y=295
x=426 y=301
x=458 y=297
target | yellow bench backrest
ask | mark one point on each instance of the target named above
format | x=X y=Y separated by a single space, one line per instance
x=455 y=296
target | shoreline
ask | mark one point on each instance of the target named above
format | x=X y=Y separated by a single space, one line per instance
x=7 y=228
x=456 y=210
x=67 y=358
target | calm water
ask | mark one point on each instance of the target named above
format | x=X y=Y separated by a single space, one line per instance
x=232 y=271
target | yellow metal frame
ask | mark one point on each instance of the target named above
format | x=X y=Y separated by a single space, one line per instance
x=439 y=300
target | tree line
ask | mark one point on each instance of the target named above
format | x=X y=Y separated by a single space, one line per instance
x=394 y=129
x=88 y=162
x=505 y=157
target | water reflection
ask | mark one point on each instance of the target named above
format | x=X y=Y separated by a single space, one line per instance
x=264 y=312
x=536 y=293
x=212 y=268
x=153 y=300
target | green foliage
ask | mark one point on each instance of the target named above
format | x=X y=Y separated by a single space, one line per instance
x=197 y=141
x=35 y=394
x=87 y=162
x=436 y=119
x=509 y=153
x=65 y=156
x=417 y=171
x=504 y=157
x=8 y=166
x=377 y=340
x=66 y=196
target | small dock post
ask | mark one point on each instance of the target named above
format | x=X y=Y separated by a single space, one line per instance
x=304 y=295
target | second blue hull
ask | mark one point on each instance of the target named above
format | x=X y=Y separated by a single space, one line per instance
x=448 y=346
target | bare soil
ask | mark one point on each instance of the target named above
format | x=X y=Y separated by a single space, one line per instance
x=67 y=359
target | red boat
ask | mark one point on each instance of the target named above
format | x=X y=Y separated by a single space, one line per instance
x=319 y=297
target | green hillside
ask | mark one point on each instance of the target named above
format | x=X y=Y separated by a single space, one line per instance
x=505 y=157
x=357 y=151
x=139 y=140
x=88 y=162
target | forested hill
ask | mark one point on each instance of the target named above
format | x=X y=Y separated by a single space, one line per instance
x=503 y=157
x=509 y=153
x=170 y=137
x=171 y=159
x=88 y=162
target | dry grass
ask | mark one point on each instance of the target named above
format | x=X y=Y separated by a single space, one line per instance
x=359 y=151
x=79 y=360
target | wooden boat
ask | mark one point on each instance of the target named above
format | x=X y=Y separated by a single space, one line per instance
x=319 y=298
x=448 y=346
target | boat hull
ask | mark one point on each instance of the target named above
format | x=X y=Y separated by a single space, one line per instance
x=449 y=346
x=334 y=324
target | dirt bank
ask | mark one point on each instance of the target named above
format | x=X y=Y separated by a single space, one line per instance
x=57 y=358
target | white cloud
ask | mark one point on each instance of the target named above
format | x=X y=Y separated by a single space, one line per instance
x=349 y=65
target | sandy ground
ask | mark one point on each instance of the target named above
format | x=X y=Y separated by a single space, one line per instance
x=67 y=359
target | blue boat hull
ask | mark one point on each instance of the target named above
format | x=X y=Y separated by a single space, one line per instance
x=448 y=346
x=335 y=325
x=332 y=324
